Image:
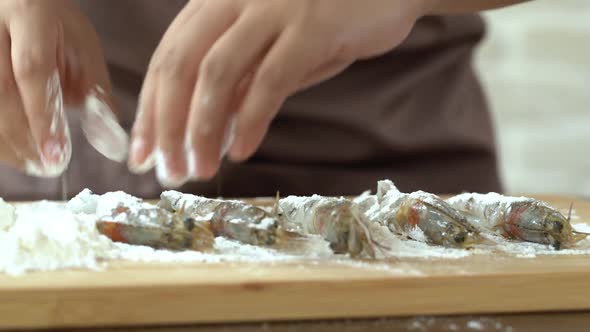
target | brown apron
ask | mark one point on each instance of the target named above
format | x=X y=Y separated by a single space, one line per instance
x=416 y=116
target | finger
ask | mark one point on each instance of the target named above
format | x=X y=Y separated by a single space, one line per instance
x=34 y=58
x=172 y=109
x=229 y=135
x=281 y=72
x=14 y=127
x=143 y=140
x=9 y=157
x=217 y=87
x=175 y=71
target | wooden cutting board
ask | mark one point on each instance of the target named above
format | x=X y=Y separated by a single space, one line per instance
x=145 y=294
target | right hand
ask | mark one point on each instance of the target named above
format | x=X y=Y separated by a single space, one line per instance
x=50 y=58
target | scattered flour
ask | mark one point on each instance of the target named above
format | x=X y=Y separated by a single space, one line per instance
x=469 y=323
x=475 y=325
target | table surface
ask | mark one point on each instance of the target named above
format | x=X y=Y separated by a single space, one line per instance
x=538 y=322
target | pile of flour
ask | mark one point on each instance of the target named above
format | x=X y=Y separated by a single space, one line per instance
x=44 y=236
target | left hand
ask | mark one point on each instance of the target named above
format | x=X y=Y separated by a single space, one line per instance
x=241 y=59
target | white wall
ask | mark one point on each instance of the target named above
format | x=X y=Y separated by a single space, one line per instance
x=535 y=66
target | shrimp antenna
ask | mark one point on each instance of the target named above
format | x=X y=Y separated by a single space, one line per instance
x=275 y=208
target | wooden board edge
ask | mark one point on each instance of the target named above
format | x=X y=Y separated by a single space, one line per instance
x=250 y=302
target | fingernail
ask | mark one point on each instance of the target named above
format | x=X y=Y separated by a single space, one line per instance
x=191 y=159
x=229 y=137
x=53 y=152
x=34 y=168
x=101 y=128
x=137 y=163
x=138 y=147
x=166 y=173
x=146 y=166
x=59 y=122
x=55 y=157
x=237 y=151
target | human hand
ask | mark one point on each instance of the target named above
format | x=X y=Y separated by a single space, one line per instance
x=239 y=60
x=50 y=58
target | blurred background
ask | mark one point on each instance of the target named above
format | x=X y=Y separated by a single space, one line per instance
x=535 y=67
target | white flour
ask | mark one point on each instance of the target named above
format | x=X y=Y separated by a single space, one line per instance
x=50 y=236
x=46 y=236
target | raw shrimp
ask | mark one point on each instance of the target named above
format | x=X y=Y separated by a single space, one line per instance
x=336 y=220
x=422 y=216
x=520 y=218
x=157 y=228
x=441 y=224
x=229 y=218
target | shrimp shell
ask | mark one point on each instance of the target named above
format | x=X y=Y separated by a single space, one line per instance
x=521 y=218
x=441 y=224
x=404 y=214
x=229 y=218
